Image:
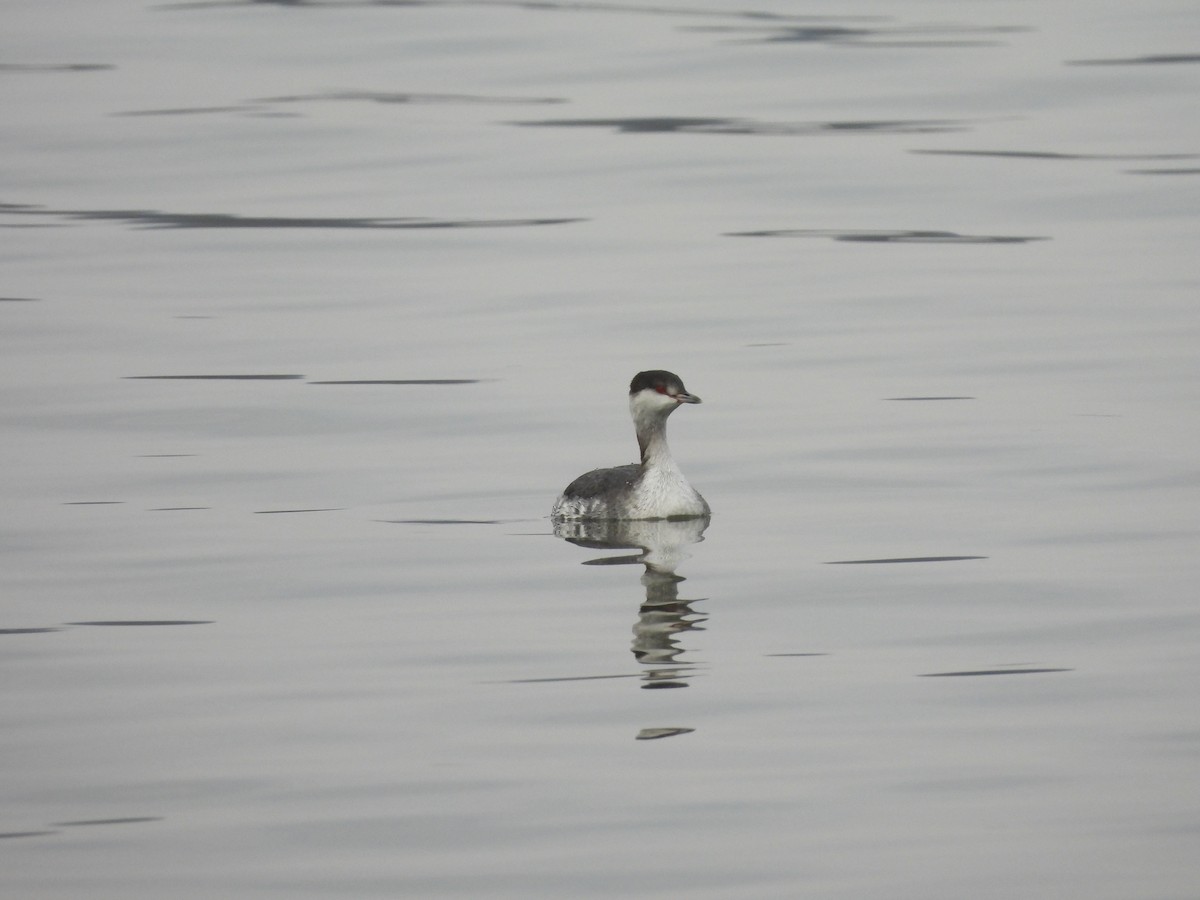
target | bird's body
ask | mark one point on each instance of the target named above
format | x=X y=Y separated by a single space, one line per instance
x=652 y=489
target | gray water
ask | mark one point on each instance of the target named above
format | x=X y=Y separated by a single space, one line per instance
x=310 y=309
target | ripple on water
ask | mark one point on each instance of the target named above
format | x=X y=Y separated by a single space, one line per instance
x=889 y=37
x=654 y=734
x=123 y=820
x=1055 y=155
x=56 y=67
x=155 y=219
x=140 y=623
x=431 y=381
x=1022 y=670
x=267 y=106
x=449 y=521
x=899 y=559
x=713 y=125
x=20 y=834
x=1153 y=60
x=28 y=630
x=214 y=377
x=884 y=236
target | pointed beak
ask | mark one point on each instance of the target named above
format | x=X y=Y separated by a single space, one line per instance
x=687 y=398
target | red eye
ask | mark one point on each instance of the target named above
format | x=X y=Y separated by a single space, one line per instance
x=661 y=388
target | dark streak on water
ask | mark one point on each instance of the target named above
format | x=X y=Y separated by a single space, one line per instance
x=1046 y=154
x=213 y=377
x=890 y=237
x=27 y=630
x=154 y=219
x=276 y=512
x=655 y=734
x=186 y=111
x=144 y=622
x=261 y=106
x=403 y=381
x=1163 y=171
x=447 y=521
x=660 y=674
x=56 y=67
x=127 y=820
x=18 y=299
x=768 y=27
x=397 y=97
x=176 y=508
x=21 y=834
x=795 y=654
x=912 y=37
x=93 y=503
x=1157 y=60
x=804 y=34
x=899 y=559
x=973 y=672
x=524 y=5
x=570 y=678
x=697 y=125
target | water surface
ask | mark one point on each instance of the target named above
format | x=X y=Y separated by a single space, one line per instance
x=312 y=309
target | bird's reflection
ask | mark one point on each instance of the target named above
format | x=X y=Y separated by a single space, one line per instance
x=663 y=616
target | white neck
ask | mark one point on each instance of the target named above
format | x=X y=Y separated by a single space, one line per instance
x=650 y=422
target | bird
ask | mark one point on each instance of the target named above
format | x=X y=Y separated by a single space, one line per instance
x=655 y=488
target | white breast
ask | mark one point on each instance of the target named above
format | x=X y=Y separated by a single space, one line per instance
x=663 y=492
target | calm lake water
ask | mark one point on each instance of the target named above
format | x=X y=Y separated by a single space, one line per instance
x=308 y=310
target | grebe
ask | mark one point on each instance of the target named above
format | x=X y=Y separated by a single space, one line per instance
x=652 y=489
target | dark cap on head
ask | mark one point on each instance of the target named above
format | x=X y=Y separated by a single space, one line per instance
x=655 y=379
